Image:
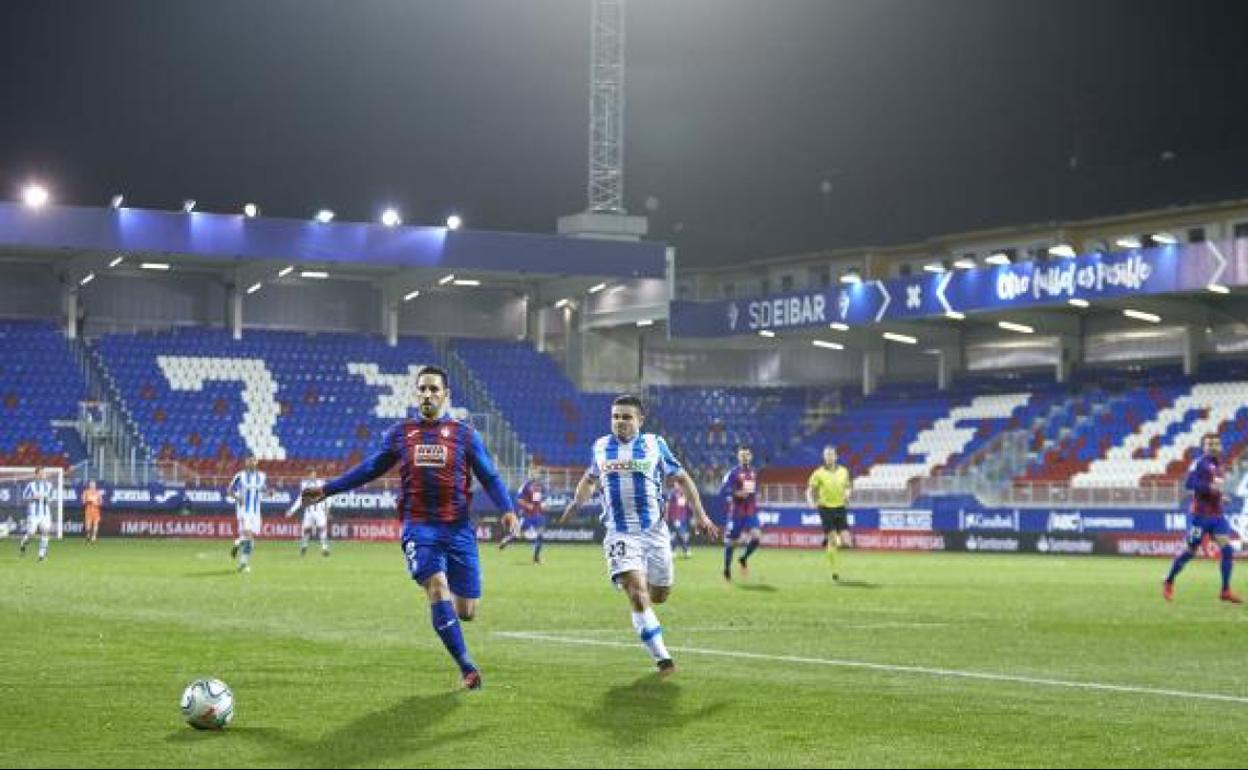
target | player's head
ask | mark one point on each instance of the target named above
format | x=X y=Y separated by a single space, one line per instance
x=39 y=472
x=251 y=462
x=91 y=484
x=627 y=415
x=535 y=472
x=433 y=389
x=1212 y=445
x=829 y=455
x=312 y=471
x=745 y=455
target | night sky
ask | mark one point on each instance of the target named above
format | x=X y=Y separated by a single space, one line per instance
x=926 y=116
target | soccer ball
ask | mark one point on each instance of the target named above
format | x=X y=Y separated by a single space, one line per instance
x=207 y=704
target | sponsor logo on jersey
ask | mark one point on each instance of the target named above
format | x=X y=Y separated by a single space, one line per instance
x=429 y=455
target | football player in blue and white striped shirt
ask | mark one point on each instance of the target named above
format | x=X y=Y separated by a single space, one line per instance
x=630 y=468
x=246 y=491
x=39 y=496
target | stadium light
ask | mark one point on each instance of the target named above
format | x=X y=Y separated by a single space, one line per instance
x=934 y=267
x=411 y=295
x=616 y=289
x=768 y=333
x=1165 y=239
x=154 y=266
x=561 y=304
x=117 y=201
x=454 y=222
x=1063 y=250
x=188 y=205
x=1140 y=315
x=828 y=345
x=1078 y=302
x=905 y=339
x=1218 y=288
x=285 y=271
x=955 y=315
x=319 y=275
x=35 y=196
x=965 y=263
x=390 y=218
x=325 y=216
x=251 y=210
x=999 y=258
x=466 y=282
x=117 y=260
x=851 y=277
x=444 y=280
x=1128 y=242
x=645 y=322
x=255 y=287
x=597 y=287
x=86 y=279
x=840 y=327
x=1010 y=326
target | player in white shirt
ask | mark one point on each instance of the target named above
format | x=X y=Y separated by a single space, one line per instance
x=246 y=491
x=630 y=467
x=38 y=495
x=315 y=516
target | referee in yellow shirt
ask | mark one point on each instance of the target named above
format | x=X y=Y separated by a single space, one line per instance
x=828 y=490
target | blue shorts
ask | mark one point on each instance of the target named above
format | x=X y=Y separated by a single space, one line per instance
x=430 y=548
x=681 y=524
x=532 y=522
x=738 y=527
x=1199 y=526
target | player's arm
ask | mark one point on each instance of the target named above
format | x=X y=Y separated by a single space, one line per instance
x=230 y=490
x=701 y=522
x=487 y=474
x=371 y=468
x=584 y=488
x=810 y=491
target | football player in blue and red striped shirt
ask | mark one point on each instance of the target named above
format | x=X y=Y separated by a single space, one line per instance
x=1206 y=478
x=439 y=456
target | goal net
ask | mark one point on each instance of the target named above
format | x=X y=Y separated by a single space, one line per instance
x=18 y=496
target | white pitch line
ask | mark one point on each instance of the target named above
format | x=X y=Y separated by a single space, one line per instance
x=921 y=670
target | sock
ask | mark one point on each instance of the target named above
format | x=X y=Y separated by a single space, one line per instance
x=303 y=541
x=646 y=624
x=684 y=540
x=325 y=540
x=537 y=548
x=245 y=558
x=831 y=546
x=1180 y=562
x=728 y=549
x=1228 y=563
x=43 y=552
x=750 y=549
x=446 y=624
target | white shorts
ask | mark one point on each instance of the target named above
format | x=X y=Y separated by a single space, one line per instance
x=38 y=524
x=249 y=522
x=316 y=519
x=648 y=552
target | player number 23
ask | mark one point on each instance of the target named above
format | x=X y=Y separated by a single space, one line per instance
x=616 y=551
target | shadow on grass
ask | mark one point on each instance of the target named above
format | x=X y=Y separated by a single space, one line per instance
x=412 y=727
x=765 y=588
x=631 y=713
x=213 y=573
x=857 y=584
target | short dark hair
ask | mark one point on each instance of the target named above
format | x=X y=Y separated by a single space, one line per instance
x=628 y=399
x=746 y=447
x=430 y=369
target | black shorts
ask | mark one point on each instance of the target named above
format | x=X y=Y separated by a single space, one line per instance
x=834 y=519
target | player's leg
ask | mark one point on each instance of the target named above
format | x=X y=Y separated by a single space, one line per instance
x=660 y=568
x=305 y=534
x=31 y=524
x=539 y=540
x=451 y=576
x=1195 y=534
x=732 y=535
x=250 y=528
x=238 y=540
x=45 y=532
x=324 y=533
x=755 y=538
x=682 y=532
x=645 y=621
x=1222 y=536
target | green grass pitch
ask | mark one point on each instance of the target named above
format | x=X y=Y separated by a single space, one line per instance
x=333 y=662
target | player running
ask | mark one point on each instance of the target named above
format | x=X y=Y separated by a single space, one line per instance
x=315 y=517
x=533 y=521
x=741 y=488
x=246 y=491
x=1205 y=478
